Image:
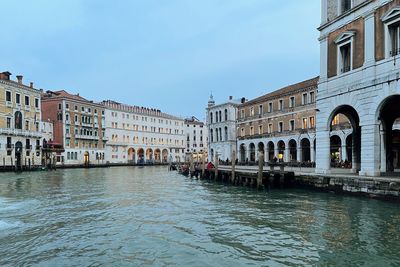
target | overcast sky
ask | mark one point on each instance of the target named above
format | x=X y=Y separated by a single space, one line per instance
x=166 y=54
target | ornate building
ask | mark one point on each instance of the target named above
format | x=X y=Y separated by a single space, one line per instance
x=196 y=139
x=139 y=135
x=79 y=126
x=359 y=44
x=221 y=125
x=281 y=124
x=21 y=132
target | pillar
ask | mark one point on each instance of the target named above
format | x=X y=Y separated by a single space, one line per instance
x=383 y=153
x=287 y=154
x=299 y=152
x=343 y=152
x=369 y=35
x=312 y=151
x=370 y=150
x=323 y=163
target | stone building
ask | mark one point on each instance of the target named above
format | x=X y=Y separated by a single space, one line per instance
x=359 y=46
x=196 y=139
x=281 y=124
x=79 y=127
x=142 y=135
x=221 y=125
x=20 y=123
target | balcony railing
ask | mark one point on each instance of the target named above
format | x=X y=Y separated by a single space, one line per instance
x=18 y=132
x=28 y=147
x=395 y=52
x=345 y=69
x=9 y=147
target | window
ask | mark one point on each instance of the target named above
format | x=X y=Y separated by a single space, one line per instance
x=344 y=44
x=260 y=110
x=345 y=5
x=27 y=125
x=312 y=97
x=260 y=129
x=394 y=38
x=251 y=111
x=312 y=122
x=18 y=99
x=270 y=109
x=8 y=96
x=212 y=135
x=345 y=58
x=226 y=114
x=291 y=125
x=211 y=117
x=76 y=108
x=280 y=104
x=242 y=114
x=305 y=123
x=280 y=127
x=226 y=134
x=304 y=99
x=242 y=132
x=8 y=123
x=36 y=103
x=220 y=117
x=270 y=129
x=291 y=102
x=251 y=130
x=59 y=106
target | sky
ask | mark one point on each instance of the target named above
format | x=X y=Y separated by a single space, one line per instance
x=164 y=54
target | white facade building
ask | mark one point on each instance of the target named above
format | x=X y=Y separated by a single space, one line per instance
x=359 y=77
x=221 y=125
x=196 y=139
x=142 y=135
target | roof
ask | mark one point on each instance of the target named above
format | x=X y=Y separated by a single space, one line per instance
x=62 y=94
x=285 y=90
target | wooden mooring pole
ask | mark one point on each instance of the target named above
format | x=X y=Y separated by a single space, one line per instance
x=233 y=167
x=216 y=167
x=260 y=169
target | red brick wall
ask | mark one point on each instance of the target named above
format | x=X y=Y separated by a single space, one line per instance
x=49 y=112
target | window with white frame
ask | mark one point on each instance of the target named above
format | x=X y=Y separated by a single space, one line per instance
x=260 y=129
x=281 y=104
x=312 y=97
x=291 y=102
x=304 y=99
x=251 y=111
x=260 y=109
x=270 y=109
x=251 y=130
x=270 y=129
x=280 y=126
x=345 y=5
x=305 y=123
x=344 y=45
x=242 y=132
x=291 y=125
x=8 y=96
x=391 y=22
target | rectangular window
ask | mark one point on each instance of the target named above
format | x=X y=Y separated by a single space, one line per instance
x=8 y=123
x=242 y=114
x=291 y=102
x=304 y=99
x=281 y=104
x=8 y=96
x=394 y=35
x=270 y=109
x=260 y=110
x=345 y=58
x=36 y=103
x=251 y=112
x=345 y=6
x=27 y=100
x=18 y=99
x=27 y=125
x=305 y=123
x=260 y=129
x=291 y=125
x=312 y=122
x=270 y=129
x=280 y=127
x=312 y=97
x=241 y=132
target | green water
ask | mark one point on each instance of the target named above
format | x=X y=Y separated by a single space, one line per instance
x=152 y=217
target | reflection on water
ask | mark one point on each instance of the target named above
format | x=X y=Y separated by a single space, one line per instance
x=151 y=217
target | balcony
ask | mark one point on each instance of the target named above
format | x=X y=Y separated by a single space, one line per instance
x=89 y=125
x=86 y=137
x=9 y=147
x=28 y=147
x=37 y=147
x=18 y=132
x=9 y=104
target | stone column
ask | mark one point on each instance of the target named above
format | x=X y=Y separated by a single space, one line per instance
x=369 y=35
x=299 y=152
x=323 y=58
x=323 y=161
x=370 y=159
x=312 y=151
x=287 y=154
x=343 y=152
x=383 y=154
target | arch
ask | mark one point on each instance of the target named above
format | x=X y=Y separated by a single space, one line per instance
x=389 y=114
x=131 y=155
x=140 y=154
x=164 y=155
x=271 y=150
x=157 y=155
x=336 y=148
x=242 y=150
x=305 y=149
x=18 y=120
x=252 y=151
x=281 y=150
x=261 y=148
x=292 y=150
x=351 y=114
x=149 y=154
x=86 y=158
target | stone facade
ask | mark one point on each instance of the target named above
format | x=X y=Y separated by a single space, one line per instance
x=79 y=126
x=196 y=139
x=368 y=92
x=142 y=135
x=21 y=129
x=221 y=125
x=281 y=124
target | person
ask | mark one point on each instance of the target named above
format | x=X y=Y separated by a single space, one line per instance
x=275 y=159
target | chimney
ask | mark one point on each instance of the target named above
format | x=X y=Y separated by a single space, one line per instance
x=230 y=97
x=243 y=100
x=5 y=76
x=31 y=85
x=19 y=78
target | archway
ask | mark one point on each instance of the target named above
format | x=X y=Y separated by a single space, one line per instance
x=86 y=158
x=292 y=150
x=345 y=117
x=242 y=153
x=261 y=148
x=271 y=150
x=131 y=155
x=149 y=154
x=305 y=150
x=336 y=149
x=157 y=155
x=281 y=150
x=252 y=150
x=389 y=116
x=165 y=155
x=140 y=155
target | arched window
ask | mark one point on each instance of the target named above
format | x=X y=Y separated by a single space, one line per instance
x=211 y=117
x=220 y=116
x=226 y=114
x=212 y=135
x=226 y=133
x=18 y=120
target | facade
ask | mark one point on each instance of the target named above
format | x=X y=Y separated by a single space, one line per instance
x=221 y=125
x=21 y=133
x=196 y=139
x=78 y=125
x=281 y=124
x=359 y=44
x=142 y=135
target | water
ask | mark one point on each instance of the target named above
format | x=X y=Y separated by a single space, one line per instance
x=151 y=217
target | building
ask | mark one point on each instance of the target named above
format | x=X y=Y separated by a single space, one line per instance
x=79 y=126
x=142 y=135
x=281 y=124
x=196 y=139
x=221 y=125
x=359 y=78
x=20 y=123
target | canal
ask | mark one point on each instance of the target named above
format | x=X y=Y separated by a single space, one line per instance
x=131 y=216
